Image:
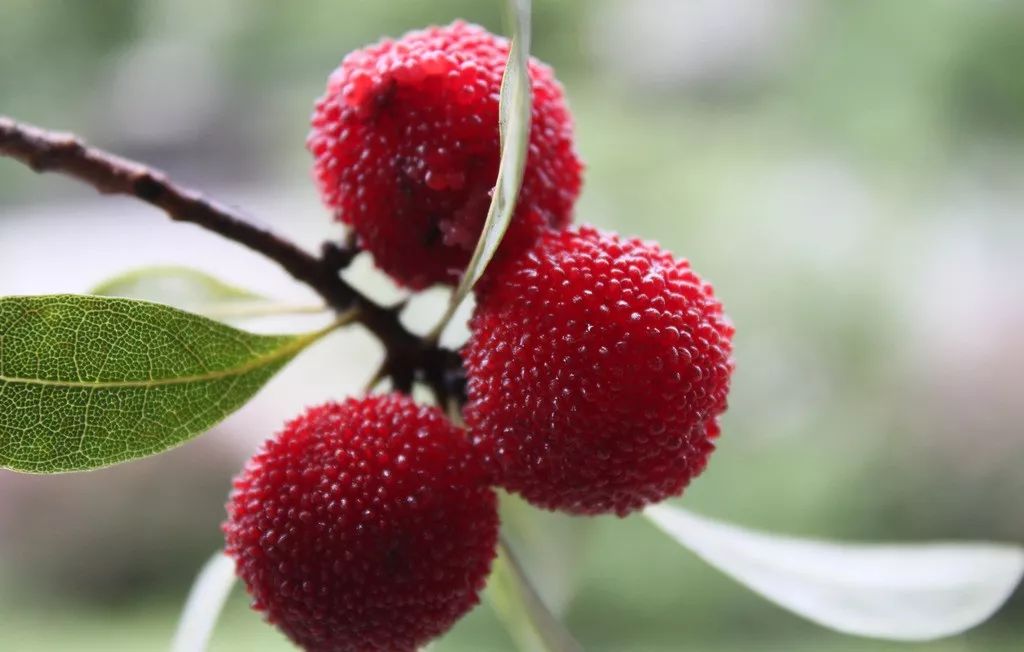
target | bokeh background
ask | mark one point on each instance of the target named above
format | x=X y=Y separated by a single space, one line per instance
x=849 y=174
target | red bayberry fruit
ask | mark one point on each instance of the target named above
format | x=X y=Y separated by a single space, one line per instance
x=364 y=526
x=406 y=147
x=597 y=368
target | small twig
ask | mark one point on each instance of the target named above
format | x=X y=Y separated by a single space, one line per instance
x=407 y=356
x=337 y=257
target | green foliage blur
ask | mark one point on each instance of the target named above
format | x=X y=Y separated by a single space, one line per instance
x=849 y=174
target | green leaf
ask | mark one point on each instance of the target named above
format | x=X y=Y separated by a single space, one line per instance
x=514 y=128
x=902 y=592
x=87 y=382
x=195 y=291
x=519 y=606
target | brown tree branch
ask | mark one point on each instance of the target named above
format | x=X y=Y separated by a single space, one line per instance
x=407 y=357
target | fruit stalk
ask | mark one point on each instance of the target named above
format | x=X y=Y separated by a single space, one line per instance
x=408 y=357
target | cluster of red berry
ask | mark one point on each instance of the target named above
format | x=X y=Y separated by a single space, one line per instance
x=597 y=366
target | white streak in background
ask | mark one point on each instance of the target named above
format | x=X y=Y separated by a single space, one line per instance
x=957 y=299
x=666 y=44
x=170 y=83
x=899 y=592
x=204 y=604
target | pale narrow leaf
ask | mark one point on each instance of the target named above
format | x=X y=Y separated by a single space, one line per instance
x=195 y=291
x=87 y=382
x=519 y=606
x=898 y=592
x=550 y=544
x=514 y=129
x=174 y=285
x=205 y=601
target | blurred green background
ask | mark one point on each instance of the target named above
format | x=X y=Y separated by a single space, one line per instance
x=849 y=174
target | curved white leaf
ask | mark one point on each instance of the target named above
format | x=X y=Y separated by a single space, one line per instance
x=202 y=608
x=898 y=592
x=514 y=129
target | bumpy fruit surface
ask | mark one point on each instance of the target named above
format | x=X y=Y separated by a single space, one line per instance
x=364 y=526
x=597 y=369
x=406 y=150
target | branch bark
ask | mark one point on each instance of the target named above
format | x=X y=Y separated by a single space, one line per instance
x=407 y=356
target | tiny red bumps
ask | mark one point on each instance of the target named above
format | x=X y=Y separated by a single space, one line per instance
x=364 y=526
x=406 y=149
x=597 y=367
